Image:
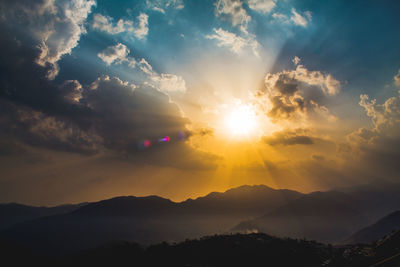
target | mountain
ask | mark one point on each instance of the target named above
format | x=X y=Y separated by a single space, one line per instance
x=323 y=216
x=147 y=220
x=242 y=201
x=377 y=230
x=13 y=213
x=328 y=216
x=375 y=200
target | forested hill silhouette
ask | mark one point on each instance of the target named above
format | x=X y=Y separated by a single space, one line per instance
x=323 y=216
x=218 y=250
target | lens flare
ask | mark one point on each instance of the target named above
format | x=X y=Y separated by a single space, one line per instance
x=164 y=139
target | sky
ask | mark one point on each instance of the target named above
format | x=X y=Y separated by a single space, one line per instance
x=179 y=98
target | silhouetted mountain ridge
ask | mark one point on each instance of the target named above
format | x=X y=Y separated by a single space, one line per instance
x=127 y=206
x=13 y=213
x=379 y=229
x=148 y=219
x=246 y=199
x=324 y=216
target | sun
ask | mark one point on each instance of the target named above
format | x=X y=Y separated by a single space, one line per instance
x=241 y=121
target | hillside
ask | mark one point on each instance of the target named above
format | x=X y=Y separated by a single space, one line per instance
x=13 y=213
x=381 y=228
x=147 y=220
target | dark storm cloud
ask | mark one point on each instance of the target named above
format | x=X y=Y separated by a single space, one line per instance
x=38 y=129
x=106 y=115
x=35 y=35
x=290 y=137
x=125 y=114
x=54 y=27
x=35 y=110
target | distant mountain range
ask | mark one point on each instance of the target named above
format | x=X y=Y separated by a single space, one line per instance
x=13 y=213
x=374 y=232
x=324 y=216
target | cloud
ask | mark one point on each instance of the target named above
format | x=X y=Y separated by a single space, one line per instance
x=54 y=26
x=117 y=54
x=376 y=147
x=233 y=11
x=298 y=93
x=106 y=24
x=143 y=26
x=300 y=20
x=113 y=115
x=290 y=137
x=296 y=60
x=263 y=6
x=34 y=31
x=384 y=117
x=108 y=116
x=162 y=5
x=126 y=113
x=318 y=157
x=235 y=43
x=38 y=129
x=397 y=79
x=164 y=82
x=280 y=16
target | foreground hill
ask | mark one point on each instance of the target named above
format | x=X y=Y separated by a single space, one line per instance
x=377 y=230
x=219 y=250
x=147 y=220
x=223 y=250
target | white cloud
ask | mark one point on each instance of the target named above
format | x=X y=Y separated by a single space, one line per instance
x=280 y=16
x=263 y=6
x=234 y=11
x=106 y=24
x=235 y=43
x=164 y=82
x=384 y=117
x=162 y=5
x=143 y=26
x=117 y=54
x=300 y=20
x=296 y=60
x=64 y=31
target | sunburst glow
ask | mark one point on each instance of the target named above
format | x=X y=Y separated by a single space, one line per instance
x=241 y=121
